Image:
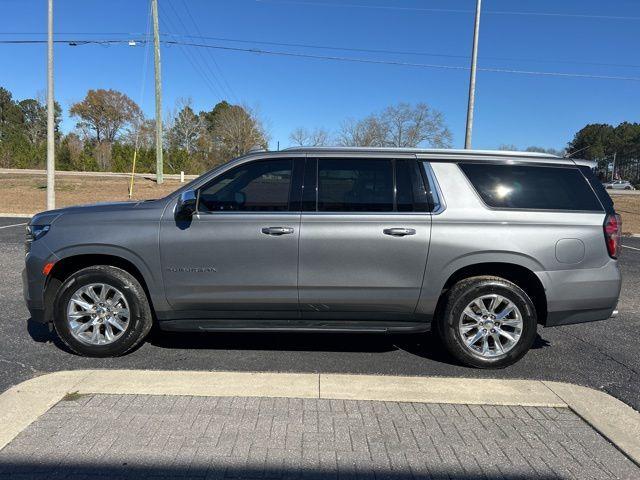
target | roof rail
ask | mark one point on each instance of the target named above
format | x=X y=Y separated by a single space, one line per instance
x=442 y=151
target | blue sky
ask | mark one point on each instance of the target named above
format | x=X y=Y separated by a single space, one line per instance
x=586 y=37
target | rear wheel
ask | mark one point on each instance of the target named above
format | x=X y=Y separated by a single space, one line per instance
x=488 y=322
x=102 y=311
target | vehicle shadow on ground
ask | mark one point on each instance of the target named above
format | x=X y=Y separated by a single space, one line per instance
x=425 y=345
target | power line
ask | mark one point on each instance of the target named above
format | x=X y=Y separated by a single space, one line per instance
x=343 y=49
x=258 y=51
x=398 y=63
x=448 y=10
x=205 y=66
x=394 y=52
x=211 y=56
x=195 y=64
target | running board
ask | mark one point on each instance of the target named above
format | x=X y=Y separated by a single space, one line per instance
x=283 y=326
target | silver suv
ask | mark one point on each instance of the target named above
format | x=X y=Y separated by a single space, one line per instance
x=478 y=246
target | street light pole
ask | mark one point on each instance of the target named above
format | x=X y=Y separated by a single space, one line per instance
x=51 y=194
x=472 y=77
x=156 y=45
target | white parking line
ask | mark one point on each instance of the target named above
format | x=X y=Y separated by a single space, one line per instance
x=14 y=225
x=631 y=248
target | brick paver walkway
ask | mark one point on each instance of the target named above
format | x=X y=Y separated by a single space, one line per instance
x=128 y=436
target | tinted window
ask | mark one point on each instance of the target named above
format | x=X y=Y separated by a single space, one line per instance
x=432 y=192
x=542 y=188
x=355 y=185
x=261 y=186
x=597 y=186
x=411 y=195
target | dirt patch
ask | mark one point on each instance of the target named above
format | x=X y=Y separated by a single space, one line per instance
x=628 y=206
x=28 y=193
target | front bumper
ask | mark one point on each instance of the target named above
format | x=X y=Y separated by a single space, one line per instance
x=34 y=282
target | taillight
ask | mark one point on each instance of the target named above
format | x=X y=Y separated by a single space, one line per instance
x=612 y=234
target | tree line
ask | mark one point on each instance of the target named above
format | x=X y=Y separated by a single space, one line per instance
x=110 y=126
x=616 y=149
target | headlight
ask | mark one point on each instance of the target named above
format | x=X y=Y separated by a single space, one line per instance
x=34 y=232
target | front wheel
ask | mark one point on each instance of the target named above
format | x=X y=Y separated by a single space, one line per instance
x=488 y=322
x=102 y=311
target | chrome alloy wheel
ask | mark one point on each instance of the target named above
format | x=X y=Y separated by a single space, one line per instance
x=97 y=314
x=490 y=325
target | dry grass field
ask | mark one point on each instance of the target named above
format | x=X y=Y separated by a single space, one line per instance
x=21 y=193
x=629 y=207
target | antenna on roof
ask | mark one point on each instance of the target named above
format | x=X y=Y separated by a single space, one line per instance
x=577 y=151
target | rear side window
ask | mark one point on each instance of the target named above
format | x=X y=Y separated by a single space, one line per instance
x=597 y=186
x=411 y=194
x=355 y=185
x=532 y=187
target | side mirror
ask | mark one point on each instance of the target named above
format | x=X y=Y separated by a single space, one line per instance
x=186 y=205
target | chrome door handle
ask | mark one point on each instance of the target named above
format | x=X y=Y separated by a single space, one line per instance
x=399 y=232
x=277 y=230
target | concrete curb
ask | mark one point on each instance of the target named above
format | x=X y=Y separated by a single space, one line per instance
x=24 y=403
x=16 y=215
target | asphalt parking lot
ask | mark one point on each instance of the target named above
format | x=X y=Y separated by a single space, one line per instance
x=602 y=355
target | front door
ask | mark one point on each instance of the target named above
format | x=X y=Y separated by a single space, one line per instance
x=238 y=256
x=364 y=244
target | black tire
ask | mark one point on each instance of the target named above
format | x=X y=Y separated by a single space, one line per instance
x=140 y=318
x=461 y=295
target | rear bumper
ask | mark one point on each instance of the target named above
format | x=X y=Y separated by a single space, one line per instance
x=581 y=295
x=570 y=317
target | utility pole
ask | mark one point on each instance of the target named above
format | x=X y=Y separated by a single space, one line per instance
x=51 y=139
x=156 y=45
x=613 y=170
x=472 y=77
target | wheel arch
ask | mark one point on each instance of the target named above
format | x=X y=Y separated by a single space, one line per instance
x=522 y=276
x=70 y=264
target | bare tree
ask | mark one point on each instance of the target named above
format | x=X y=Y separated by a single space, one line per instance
x=144 y=132
x=319 y=137
x=369 y=132
x=400 y=125
x=412 y=126
x=185 y=127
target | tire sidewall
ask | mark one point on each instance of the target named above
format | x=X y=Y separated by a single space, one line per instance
x=467 y=292
x=132 y=291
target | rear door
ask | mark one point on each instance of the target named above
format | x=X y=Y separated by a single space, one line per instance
x=364 y=238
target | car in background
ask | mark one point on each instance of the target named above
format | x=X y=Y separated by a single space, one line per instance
x=619 y=185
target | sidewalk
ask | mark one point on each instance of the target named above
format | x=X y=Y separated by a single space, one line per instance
x=199 y=425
